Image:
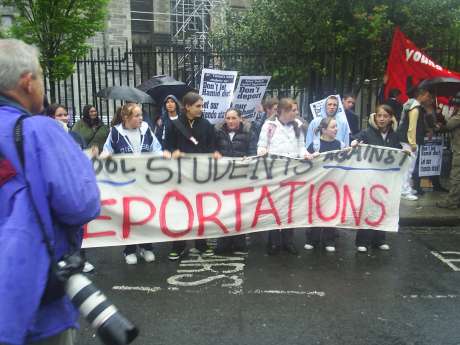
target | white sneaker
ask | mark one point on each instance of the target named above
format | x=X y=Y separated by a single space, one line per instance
x=308 y=246
x=194 y=251
x=362 y=249
x=88 y=267
x=131 y=259
x=330 y=249
x=413 y=191
x=384 y=247
x=147 y=255
x=410 y=197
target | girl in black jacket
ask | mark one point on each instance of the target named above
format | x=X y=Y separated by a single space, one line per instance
x=233 y=139
x=381 y=132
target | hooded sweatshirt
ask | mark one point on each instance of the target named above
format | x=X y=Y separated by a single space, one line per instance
x=372 y=135
x=343 y=133
x=166 y=120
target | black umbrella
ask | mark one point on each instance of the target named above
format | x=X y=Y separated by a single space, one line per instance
x=125 y=93
x=441 y=86
x=161 y=86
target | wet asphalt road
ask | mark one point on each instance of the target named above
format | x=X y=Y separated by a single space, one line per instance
x=409 y=295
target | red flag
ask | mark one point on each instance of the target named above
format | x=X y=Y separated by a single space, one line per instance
x=408 y=65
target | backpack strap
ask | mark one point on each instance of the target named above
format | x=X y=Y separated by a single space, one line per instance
x=17 y=134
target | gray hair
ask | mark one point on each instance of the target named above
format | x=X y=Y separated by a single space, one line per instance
x=16 y=58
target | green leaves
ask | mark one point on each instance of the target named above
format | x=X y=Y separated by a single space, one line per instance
x=360 y=28
x=60 y=28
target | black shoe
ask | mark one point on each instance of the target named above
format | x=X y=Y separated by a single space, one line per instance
x=291 y=249
x=240 y=250
x=419 y=191
x=222 y=250
x=273 y=250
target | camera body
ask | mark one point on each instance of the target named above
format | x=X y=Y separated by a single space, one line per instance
x=111 y=327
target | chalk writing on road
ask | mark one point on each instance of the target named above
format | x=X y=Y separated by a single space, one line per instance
x=225 y=271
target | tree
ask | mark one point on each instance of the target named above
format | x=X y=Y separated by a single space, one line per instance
x=60 y=29
x=330 y=39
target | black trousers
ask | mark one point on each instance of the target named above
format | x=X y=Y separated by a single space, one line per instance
x=316 y=236
x=280 y=237
x=366 y=237
x=132 y=249
x=231 y=243
x=179 y=246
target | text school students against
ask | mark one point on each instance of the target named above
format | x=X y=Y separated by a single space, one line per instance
x=282 y=136
x=133 y=136
x=381 y=132
x=324 y=139
x=190 y=133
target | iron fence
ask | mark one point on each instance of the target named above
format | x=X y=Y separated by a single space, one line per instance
x=306 y=77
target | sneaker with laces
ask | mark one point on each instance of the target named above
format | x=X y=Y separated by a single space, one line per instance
x=207 y=253
x=362 y=249
x=330 y=249
x=131 y=259
x=147 y=255
x=308 y=246
x=88 y=267
x=384 y=247
x=410 y=197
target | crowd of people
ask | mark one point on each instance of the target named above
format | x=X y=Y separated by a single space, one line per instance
x=48 y=191
x=279 y=130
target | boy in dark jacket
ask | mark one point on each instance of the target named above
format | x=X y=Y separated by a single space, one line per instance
x=381 y=132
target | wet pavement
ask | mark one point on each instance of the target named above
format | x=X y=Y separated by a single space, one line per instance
x=408 y=295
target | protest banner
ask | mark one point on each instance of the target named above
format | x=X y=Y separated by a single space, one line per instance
x=249 y=94
x=431 y=157
x=216 y=88
x=408 y=65
x=151 y=199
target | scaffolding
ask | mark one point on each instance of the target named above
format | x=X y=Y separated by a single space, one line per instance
x=191 y=21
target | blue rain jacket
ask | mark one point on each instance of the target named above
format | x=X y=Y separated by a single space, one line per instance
x=63 y=187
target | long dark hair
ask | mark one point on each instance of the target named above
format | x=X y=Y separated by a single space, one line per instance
x=89 y=121
x=51 y=109
x=191 y=98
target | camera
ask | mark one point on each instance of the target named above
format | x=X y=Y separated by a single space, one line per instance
x=111 y=327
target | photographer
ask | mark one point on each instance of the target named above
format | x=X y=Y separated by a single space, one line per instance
x=47 y=186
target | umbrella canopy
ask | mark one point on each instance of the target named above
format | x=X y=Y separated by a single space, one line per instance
x=161 y=86
x=125 y=93
x=441 y=86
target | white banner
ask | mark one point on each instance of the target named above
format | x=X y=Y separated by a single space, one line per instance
x=151 y=199
x=249 y=94
x=217 y=90
x=430 y=160
x=318 y=108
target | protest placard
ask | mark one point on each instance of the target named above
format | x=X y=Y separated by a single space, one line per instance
x=431 y=157
x=151 y=199
x=217 y=90
x=249 y=94
x=318 y=109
